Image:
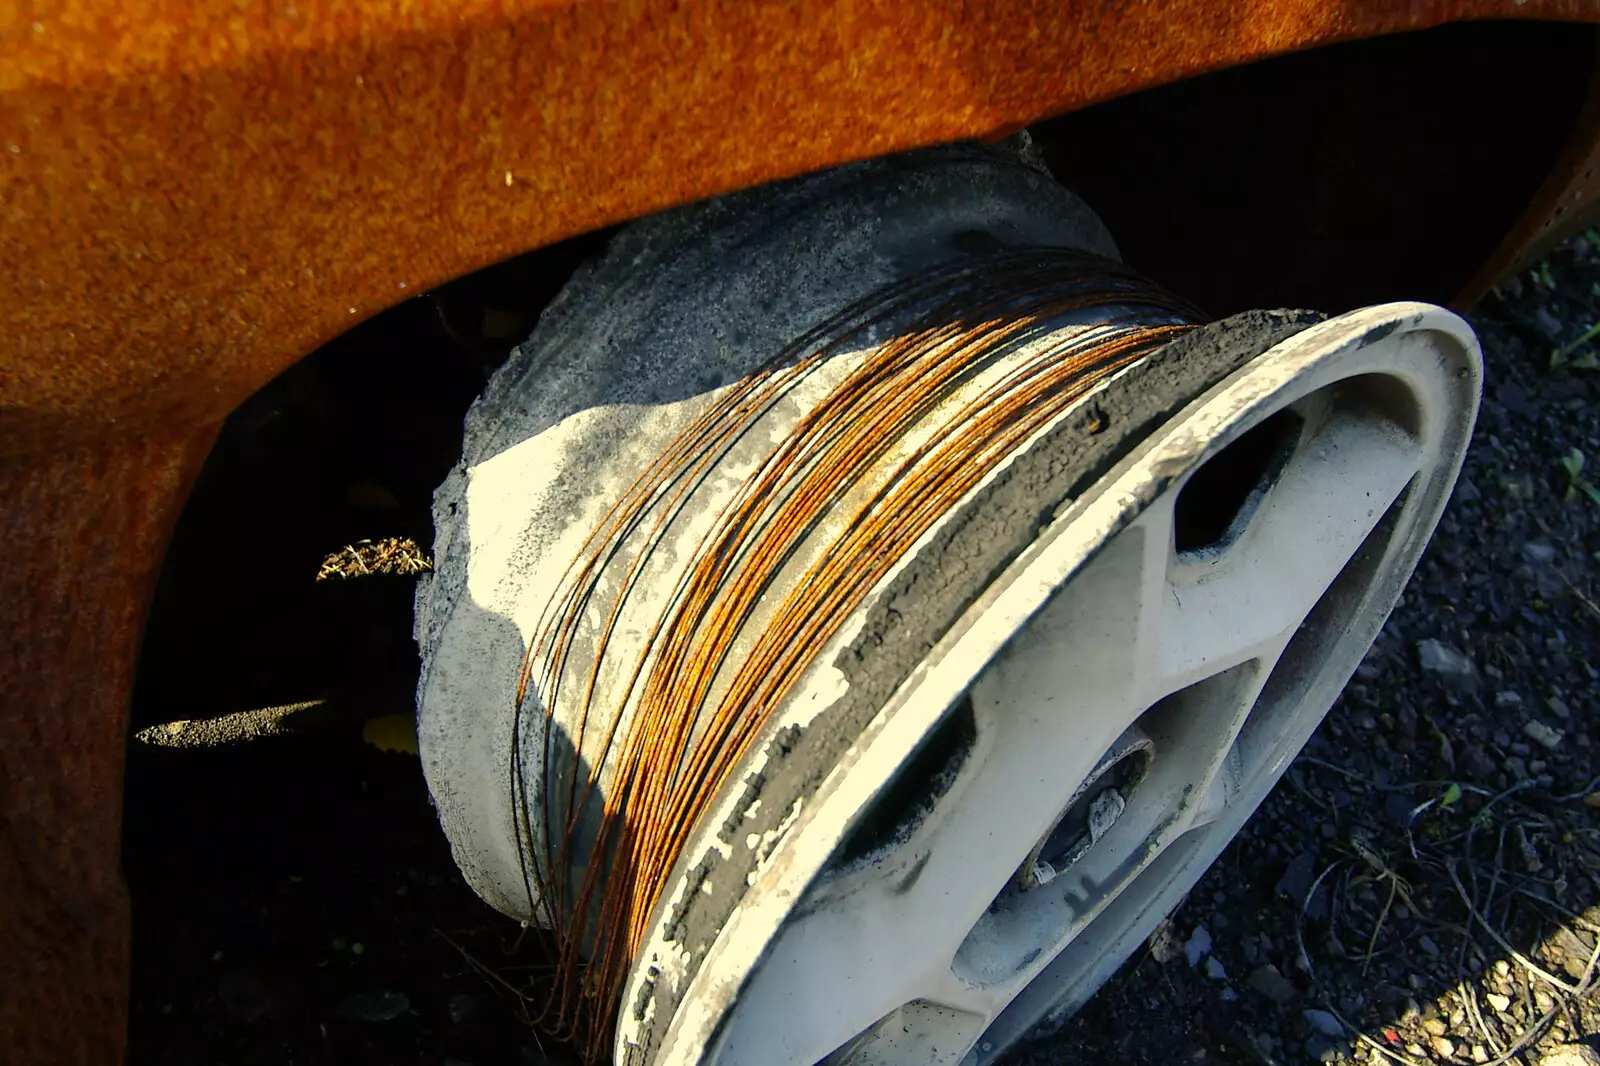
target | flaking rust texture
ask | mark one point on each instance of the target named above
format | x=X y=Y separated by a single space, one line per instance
x=83 y=531
x=193 y=195
x=197 y=194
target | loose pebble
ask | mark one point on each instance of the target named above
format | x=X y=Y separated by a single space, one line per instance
x=1545 y=736
x=1321 y=1049
x=1571 y=1055
x=1269 y=982
x=1448 y=663
x=373 y=1006
x=1164 y=944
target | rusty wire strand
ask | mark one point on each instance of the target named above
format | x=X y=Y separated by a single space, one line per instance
x=687 y=712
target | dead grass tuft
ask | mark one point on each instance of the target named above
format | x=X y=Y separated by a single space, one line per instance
x=392 y=555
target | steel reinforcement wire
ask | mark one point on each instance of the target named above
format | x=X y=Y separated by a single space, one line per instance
x=690 y=705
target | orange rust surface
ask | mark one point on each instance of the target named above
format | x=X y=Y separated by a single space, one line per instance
x=195 y=193
x=83 y=531
x=192 y=195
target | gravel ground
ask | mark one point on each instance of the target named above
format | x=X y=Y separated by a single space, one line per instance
x=1424 y=887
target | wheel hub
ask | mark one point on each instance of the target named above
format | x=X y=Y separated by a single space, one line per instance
x=1102 y=799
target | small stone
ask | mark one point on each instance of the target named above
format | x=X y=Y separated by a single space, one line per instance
x=1546 y=322
x=1164 y=945
x=461 y=1007
x=1571 y=1055
x=1575 y=953
x=1539 y=552
x=373 y=1006
x=1543 y=735
x=1323 y=1022
x=1480 y=1053
x=1320 y=1049
x=1435 y=1026
x=1499 y=1002
x=1269 y=982
x=1444 y=1047
x=1215 y=970
x=1406 y=719
x=1297 y=877
x=1229 y=995
x=1428 y=946
x=1558 y=707
x=1400 y=808
x=1517 y=487
x=1198 y=946
x=1478 y=763
x=1506 y=700
x=1449 y=664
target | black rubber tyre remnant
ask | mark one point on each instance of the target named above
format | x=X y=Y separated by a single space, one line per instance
x=930 y=594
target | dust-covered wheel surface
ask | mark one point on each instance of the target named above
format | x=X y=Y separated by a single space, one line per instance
x=864 y=607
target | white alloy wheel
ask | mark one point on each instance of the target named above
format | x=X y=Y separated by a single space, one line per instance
x=1134 y=685
x=1044 y=709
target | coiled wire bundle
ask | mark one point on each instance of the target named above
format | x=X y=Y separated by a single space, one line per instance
x=708 y=588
